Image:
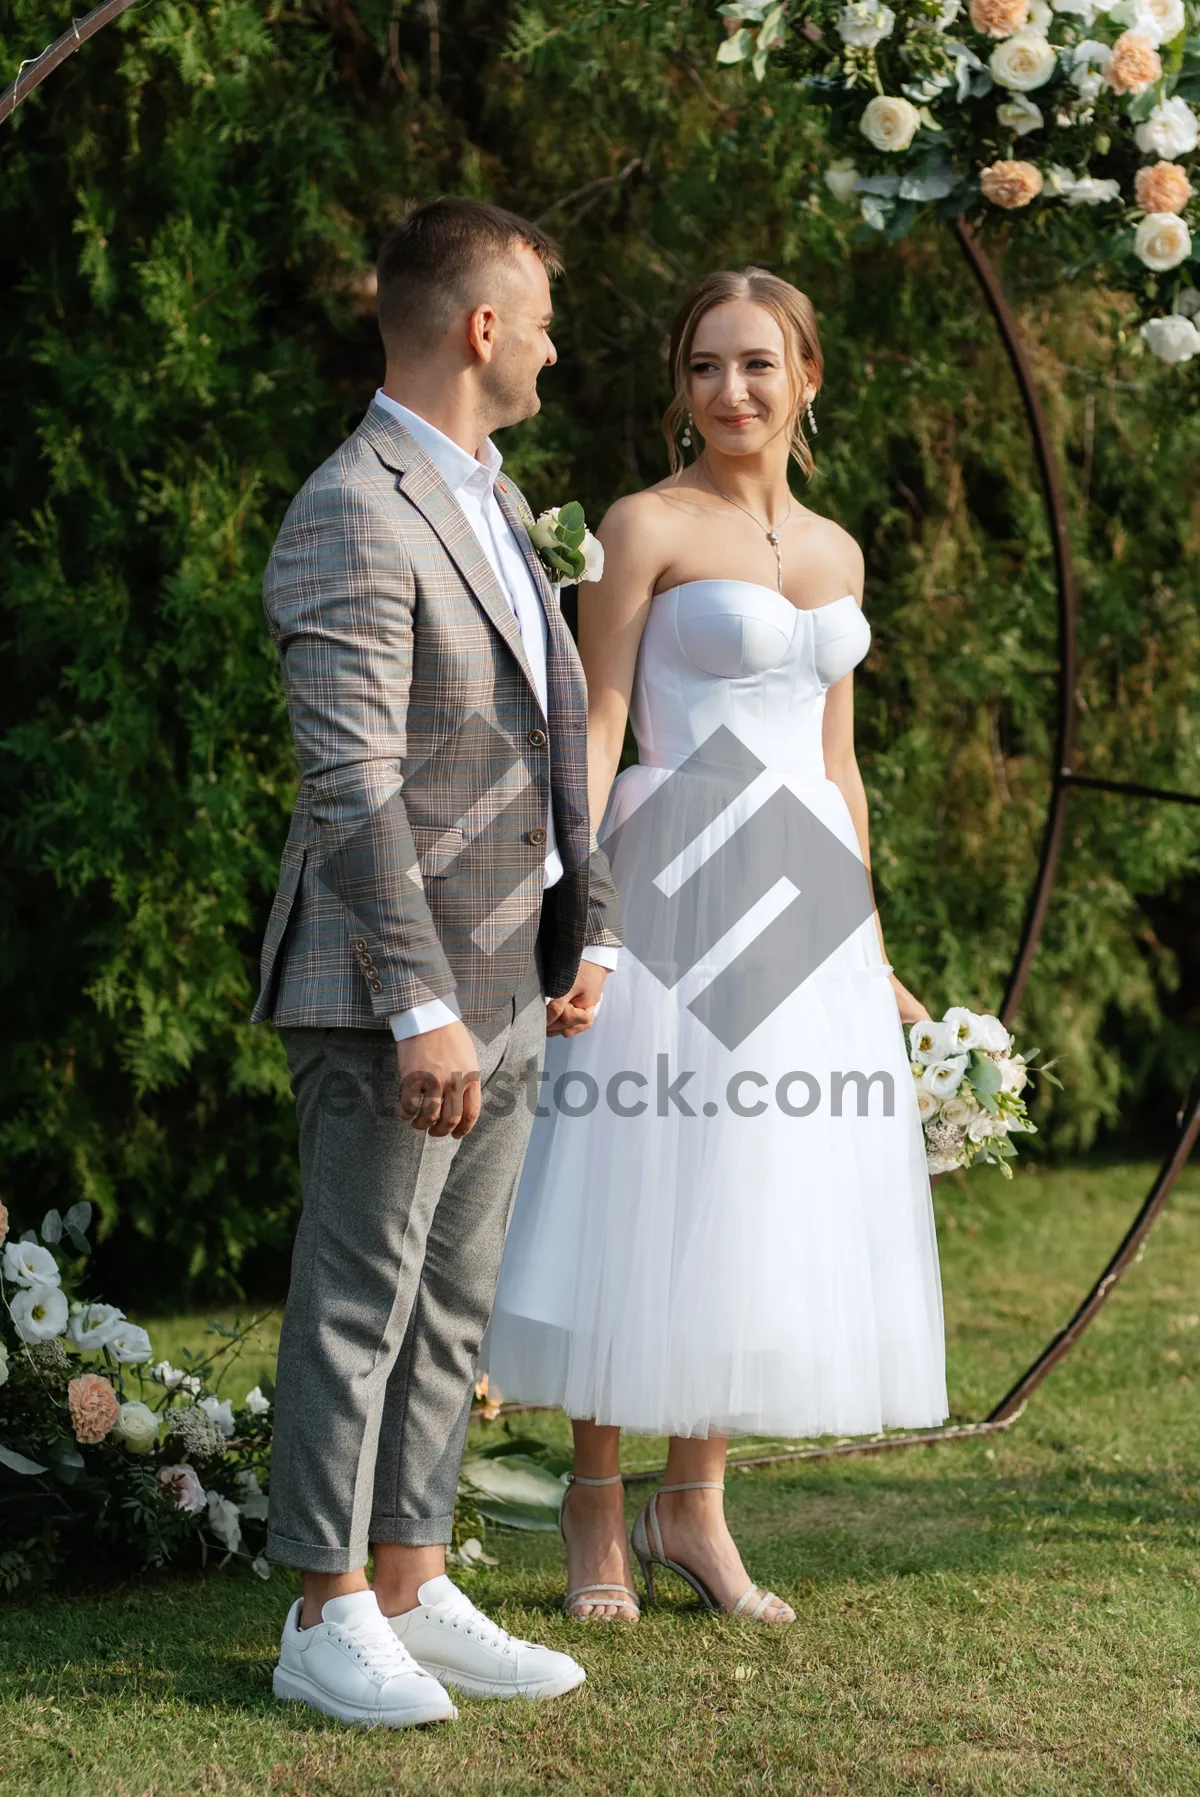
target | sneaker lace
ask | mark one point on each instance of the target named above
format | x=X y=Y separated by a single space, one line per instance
x=464 y=1616
x=376 y=1648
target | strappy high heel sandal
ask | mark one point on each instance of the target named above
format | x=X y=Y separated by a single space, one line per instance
x=627 y=1598
x=648 y=1546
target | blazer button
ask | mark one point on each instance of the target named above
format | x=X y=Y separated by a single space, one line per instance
x=537 y=738
x=537 y=834
x=377 y=985
x=359 y=945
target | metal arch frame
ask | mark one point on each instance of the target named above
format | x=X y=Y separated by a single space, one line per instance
x=1063 y=778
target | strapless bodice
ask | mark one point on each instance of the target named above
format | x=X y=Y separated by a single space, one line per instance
x=734 y=653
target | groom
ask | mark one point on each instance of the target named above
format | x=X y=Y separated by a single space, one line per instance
x=438 y=887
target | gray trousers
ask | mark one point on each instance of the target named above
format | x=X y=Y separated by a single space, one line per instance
x=393 y=1276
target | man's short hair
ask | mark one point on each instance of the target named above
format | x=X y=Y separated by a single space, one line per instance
x=430 y=265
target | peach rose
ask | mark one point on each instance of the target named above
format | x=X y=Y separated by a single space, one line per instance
x=3 y=1225
x=1162 y=188
x=1134 y=64
x=999 y=18
x=94 y=1407
x=1010 y=184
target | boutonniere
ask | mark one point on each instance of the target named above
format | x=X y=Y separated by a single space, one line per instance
x=569 y=551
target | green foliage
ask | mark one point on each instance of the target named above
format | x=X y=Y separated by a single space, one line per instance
x=189 y=210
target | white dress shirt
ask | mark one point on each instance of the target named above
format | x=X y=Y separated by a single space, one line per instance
x=473 y=484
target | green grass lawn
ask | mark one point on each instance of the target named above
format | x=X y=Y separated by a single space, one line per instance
x=1015 y=1615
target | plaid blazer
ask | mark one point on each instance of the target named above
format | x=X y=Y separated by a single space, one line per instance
x=414 y=864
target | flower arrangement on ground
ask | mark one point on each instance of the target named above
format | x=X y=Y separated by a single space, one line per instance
x=970 y=1081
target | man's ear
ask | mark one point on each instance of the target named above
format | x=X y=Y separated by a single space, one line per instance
x=481 y=331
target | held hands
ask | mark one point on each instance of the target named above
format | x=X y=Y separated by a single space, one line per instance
x=439 y=1080
x=576 y=1010
x=911 y=1009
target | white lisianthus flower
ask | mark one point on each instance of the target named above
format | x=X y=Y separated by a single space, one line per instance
x=1041 y=16
x=27 y=1263
x=3 y=1363
x=592 y=551
x=253 y=1497
x=928 y=1104
x=94 y=1325
x=992 y=1033
x=1013 y=1077
x=224 y=1519
x=1172 y=130
x=1084 y=190
x=220 y=1413
x=129 y=1345
x=137 y=1427
x=865 y=23
x=256 y=1404
x=190 y=1383
x=1187 y=302
x=984 y=1125
x=1081 y=9
x=166 y=1374
x=190 y=1495
x=929 y=1041
x=1171 y=339
x=1022 y=62
x=39 y=1312
x=950 y=11
x=889 y=122
x=943 y=1077
x=1020 y=115
x=963 y=1026
x=1159 y=20
x=1088 y=61
x=840 y=177
x=1162 y=241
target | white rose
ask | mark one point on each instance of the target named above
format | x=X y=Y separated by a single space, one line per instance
x=1041 y=16
x=992 y=1033
x=927 y=1104
x=25 y=1263
x=930 y=1041
x=982 y=1126
x=39 y=1312
x=1171 y=130
x=950 y=11
x=1171 y=339
x=1162 y=241
x=1159 y=20
x=3 y=1363
x=1020 y=115
x=1022 y=62
x=592 y=552
x=224 y=1521
x=129 y=1345
x=865 y=23
x=1087 y=190
x=1013 y=1077
x=957 y=1110
x=221 y=1414
x=137 y=1427
x=889 y=123
x=963 y=1028
x=943 y=1077
x=94 y=1325
x=840 y=177
x=256 y=1404
x=1187 y=302
x=542 y=531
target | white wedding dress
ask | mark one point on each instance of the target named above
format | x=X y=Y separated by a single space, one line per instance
x=771 y=1273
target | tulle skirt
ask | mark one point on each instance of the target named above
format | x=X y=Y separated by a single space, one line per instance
x=718 y=1272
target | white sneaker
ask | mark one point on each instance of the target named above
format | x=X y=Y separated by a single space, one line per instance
x=350 y=1665
x=460 y=1646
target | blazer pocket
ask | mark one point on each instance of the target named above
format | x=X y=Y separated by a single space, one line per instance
x=437 y=846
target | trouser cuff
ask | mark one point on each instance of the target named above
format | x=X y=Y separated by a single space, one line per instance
x=412 y=1531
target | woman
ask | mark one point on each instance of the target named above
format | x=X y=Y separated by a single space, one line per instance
x=708 y=1237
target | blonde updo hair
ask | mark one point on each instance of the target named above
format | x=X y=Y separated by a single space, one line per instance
x=791 y=310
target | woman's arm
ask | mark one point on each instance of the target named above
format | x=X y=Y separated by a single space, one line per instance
x=612 y=616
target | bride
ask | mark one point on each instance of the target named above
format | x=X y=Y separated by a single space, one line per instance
x=724 y=1222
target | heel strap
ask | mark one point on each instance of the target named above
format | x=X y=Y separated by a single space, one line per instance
x=578 y=1479
x=696 y=1485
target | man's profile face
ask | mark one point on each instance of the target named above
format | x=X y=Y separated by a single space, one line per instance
x=523 y=346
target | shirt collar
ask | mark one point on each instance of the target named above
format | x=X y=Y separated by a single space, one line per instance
x=459 y=469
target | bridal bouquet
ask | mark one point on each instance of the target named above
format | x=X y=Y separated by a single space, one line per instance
x=969 y=1083
x=104 y=1458
x=1077 y=118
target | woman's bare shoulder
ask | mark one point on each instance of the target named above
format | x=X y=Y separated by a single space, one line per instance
x=838 y=550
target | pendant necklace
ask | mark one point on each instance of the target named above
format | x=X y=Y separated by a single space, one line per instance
x=770 y=531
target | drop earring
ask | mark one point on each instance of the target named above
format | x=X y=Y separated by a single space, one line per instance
x=812 y=418
x=686 y=438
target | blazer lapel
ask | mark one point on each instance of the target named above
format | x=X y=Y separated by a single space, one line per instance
x=421 y=483
x=519 y=519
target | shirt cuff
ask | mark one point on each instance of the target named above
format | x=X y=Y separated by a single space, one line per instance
x=429 y=1016
x=603 y=957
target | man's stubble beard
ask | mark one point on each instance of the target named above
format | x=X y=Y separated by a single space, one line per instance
x=509 y=398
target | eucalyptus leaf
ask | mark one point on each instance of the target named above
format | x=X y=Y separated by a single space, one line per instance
x=79 y=1216
x=52 y=1228
x=18 y=1463
x=571 y=516
x=78 y=1241
x=984 y=1074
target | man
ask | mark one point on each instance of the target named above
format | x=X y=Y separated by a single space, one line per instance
x=439 y=712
